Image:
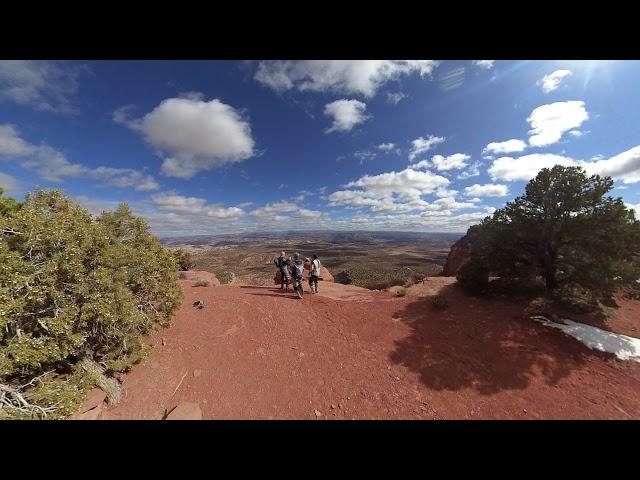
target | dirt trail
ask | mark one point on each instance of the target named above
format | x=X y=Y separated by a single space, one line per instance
x=259 y=353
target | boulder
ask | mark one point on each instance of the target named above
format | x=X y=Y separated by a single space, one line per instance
x=186 y=411
x=459 y=254
x=95 y=398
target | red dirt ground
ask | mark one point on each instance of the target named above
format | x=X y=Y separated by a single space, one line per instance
x=350 y=353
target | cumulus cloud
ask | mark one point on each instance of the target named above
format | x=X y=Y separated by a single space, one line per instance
x=423 y=144
x=525 y=167
x=362 y=77
x=508 y=146
x=452 y=162
x=552 y=81
x=346 y=114
x=472 y=171
x=549 y=122
x=484 y=64
x=53 y=166
x=179 y=204
x=9 y=184
x=487 y=190
x=194 y=134
x=42 y=85
x=624 y=166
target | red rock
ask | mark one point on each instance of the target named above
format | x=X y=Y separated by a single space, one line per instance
x=186 y=411
x=94 y=398
x=459 y=254
x=92 y=414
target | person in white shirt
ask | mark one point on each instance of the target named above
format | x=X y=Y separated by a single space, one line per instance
x=314 y=274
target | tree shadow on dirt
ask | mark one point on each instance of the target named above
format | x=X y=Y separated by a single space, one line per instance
x=483 y=344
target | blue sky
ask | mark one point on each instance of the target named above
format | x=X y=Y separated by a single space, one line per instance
x=222 y=146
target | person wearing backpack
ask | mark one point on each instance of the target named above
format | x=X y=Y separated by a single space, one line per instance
x=297 y=269
x=283 y=265
x=314 y=274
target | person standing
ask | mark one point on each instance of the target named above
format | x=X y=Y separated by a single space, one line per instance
x=297 y=269
x=314 y=274
x=283 y=265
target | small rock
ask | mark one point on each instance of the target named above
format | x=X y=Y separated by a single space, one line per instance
x=339 y=405
x=301 y=354
x=524 y=410
x=197 y=373
x=94 y=399
x=164 y=341
x=186 y=411
x=318 y=413
x=333 y=407
x=92 y=414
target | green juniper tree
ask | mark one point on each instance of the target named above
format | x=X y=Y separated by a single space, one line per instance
x=564 y=230
x=76 y=295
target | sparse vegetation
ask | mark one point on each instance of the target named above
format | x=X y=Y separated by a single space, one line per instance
x=182 y=276
x=76 y=296
x=439 y=302
x=183 y=259
x=202 y=283
x=565 y=232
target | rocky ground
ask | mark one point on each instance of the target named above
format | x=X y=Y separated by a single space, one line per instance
x=254 y=352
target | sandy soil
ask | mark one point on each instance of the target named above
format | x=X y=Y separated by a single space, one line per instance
x=349 y=353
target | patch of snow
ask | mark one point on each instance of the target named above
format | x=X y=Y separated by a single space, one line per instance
x=622 y=346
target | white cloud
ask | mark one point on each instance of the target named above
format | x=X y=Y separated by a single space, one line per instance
x=346 y=114
x=508 y=146
x=421 y=164
x=362 y=77
x=525 y=167
x=53 y=166
x=484 y=64
x=452 y=162
x=195 y=134
x=179 y=204
x=487 y=190
x=624 y=166
x=552 y=81
x=43 y=85
x=9 y=184
x=549 y=122
x=395 y=98
x=407 y=184
x=472 y=171
x=423 y=144
x=386 y=147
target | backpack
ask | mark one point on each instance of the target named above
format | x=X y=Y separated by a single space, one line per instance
x=298 y=270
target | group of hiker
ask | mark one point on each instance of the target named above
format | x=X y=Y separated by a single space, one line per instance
x=293 y=269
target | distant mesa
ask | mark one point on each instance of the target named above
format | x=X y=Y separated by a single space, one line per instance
x=459 y=254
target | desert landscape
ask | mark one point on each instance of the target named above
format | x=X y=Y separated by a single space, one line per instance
x=374 y=260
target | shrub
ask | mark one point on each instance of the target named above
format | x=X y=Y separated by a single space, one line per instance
x=202 y=283
x=183 y=259
x=439 y=302
x=473 y=277
x=76 y=296
x=182 y=276
x=565 y=230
